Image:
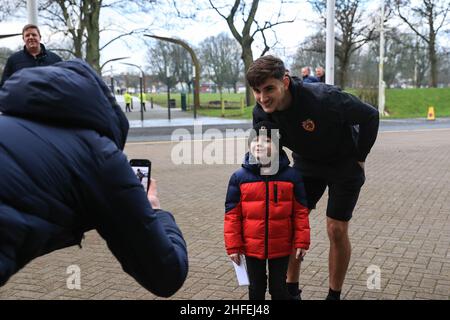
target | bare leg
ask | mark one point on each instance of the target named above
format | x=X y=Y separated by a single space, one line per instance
x=340 y=252
x=292 y=278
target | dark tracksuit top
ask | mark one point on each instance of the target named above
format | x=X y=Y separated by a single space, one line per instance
x=23 y=59
x=324 y=124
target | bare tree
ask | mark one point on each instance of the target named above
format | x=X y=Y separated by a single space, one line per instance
x=195 y=62
x=426 y=19
x=4 y=55
x=251 y=27
x=162 y=57
x=80 y=20
x=218 y=54
x=311 y=52
x=354 y=29
x=7 y=7
x=444 y=75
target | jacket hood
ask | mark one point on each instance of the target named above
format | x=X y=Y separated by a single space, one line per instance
x=68 y=94
x=250 y=162
x=296 y=81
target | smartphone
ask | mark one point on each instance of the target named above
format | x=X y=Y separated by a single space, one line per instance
x=142 y=169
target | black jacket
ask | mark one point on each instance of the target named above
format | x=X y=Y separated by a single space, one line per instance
x=23 y=59
x=322 y=123
x=63 y=172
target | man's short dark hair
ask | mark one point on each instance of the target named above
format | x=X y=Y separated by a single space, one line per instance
x=31 y=26
x=264 y=68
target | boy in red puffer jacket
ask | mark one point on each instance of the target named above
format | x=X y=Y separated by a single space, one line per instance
x=266 y=217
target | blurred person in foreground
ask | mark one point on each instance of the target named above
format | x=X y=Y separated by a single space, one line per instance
x=63 y=172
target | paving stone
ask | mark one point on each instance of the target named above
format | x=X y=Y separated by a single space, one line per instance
x=401 y=224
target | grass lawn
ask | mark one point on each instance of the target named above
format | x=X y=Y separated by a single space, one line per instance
x=400 y=103
x=414 y=103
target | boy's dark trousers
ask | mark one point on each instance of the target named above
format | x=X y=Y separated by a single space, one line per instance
x=256 y=269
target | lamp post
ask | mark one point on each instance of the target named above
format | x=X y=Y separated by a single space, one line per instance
x=193 y=89
x=3 y=36
x=329 y=52
x=381 y=96
x=112 y=75
x=196 y=67
x=32 y=8
x=104 y=75
x=168 y=92
x=112 y=82
x=140 y=87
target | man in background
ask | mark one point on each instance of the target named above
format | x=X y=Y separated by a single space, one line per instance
x=34 y=53
x=320 y=74
x=306 y=75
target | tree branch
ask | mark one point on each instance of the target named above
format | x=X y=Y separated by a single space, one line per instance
x=410 y=25
x=217 y=10
x=269 y=25
x=251 y=18
x=121 y=36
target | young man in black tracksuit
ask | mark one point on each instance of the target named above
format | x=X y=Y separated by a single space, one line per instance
x=330 y=133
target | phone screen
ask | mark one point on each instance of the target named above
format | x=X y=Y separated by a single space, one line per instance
x=142 y=170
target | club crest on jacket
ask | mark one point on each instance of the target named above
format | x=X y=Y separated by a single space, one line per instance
x=309 y=125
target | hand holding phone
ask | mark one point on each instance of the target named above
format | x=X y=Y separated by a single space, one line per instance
x=152 y=195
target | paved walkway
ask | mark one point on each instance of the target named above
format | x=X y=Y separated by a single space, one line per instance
x=158 y=117
x=401 y=225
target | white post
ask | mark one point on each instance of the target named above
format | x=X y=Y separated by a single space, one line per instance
x=32 y=8
x=329 y=61
x=381 y=96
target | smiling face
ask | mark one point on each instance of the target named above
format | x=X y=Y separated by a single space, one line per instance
x=305 y=72
x=32 y=40
x=271 y=95
x=261 y=148
x=319 y=71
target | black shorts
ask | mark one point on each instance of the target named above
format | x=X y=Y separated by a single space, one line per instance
x=344 y=180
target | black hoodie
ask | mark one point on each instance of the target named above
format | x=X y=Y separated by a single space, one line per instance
x=324 y=124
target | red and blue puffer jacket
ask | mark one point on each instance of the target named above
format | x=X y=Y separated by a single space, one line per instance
x=266 y=217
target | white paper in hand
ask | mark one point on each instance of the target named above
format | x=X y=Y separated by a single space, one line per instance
x=241 y=271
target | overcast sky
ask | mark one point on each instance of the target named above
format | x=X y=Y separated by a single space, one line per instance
x=288 y=35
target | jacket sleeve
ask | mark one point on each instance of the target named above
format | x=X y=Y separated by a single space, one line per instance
x=148 y=243
x=233 y=218
x=301 y=214
x=355 y=112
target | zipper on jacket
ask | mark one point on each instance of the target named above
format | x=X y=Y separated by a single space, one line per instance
x=275 y=192
x=266 y=238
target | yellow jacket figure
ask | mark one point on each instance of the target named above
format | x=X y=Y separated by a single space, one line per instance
x=128 y=101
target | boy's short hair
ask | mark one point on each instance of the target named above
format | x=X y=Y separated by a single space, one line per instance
x=30 y=26
x=264 y=68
